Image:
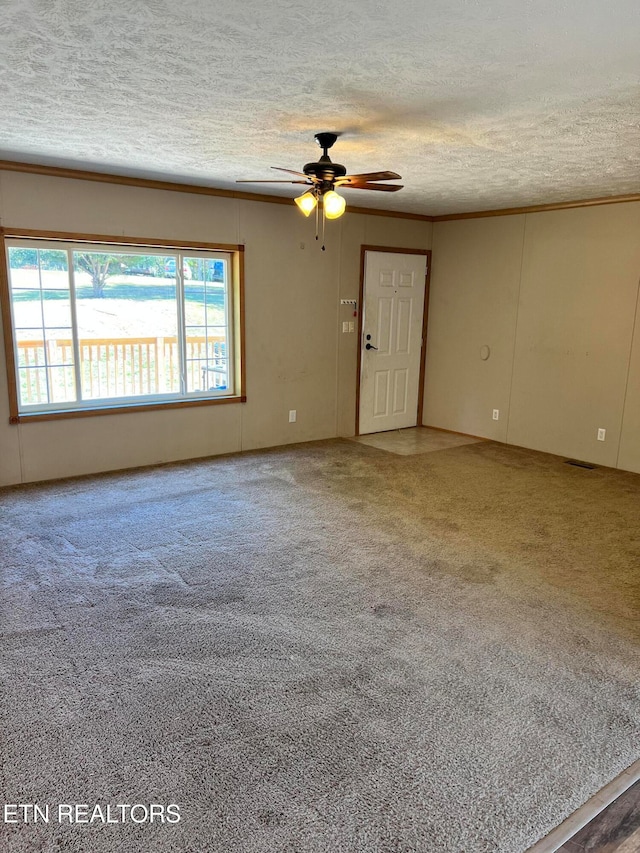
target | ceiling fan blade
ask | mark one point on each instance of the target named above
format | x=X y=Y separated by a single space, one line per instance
x=372 y=176
x=291 y=171
x=270 y=181
x=386 y=188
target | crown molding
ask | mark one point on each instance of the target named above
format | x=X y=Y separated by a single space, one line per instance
x=197 y=189
x=539 y=208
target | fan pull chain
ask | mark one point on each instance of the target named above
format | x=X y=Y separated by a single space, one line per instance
x=323 y=221
x=317 y=215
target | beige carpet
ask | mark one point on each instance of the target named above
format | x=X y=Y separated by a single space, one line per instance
x=321 y=648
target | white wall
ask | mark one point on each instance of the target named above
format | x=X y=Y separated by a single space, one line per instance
x=296 y=357
x=554 y=296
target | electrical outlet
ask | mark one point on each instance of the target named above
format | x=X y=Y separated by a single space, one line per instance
x=293 y=414
x=602 y=434
x=496 y=414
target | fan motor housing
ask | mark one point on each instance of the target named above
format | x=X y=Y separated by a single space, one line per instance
x=325 y=170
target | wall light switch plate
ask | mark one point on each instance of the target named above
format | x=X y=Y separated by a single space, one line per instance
x=602 y=434
x=496 y=414
x=345 y=326
x=293 y=414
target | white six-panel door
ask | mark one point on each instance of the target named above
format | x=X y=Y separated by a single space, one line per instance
x=393 y=306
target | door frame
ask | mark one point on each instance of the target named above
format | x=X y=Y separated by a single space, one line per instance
x=425 y=318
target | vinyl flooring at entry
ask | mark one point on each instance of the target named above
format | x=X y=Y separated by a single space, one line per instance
x=614 y=830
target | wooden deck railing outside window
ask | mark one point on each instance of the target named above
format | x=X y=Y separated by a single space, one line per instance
x=118 y=367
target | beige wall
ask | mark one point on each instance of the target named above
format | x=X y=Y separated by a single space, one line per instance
x=554 y=296
x=472 y=304
x=629 y=456
x=296 y=356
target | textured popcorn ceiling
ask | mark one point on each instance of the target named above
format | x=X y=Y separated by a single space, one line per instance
x=476 y=104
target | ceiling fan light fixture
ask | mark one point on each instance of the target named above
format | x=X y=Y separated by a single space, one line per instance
x=323 y=176
x=307 y=203
x=334 y=205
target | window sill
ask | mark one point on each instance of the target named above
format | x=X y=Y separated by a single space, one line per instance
x=24 y=418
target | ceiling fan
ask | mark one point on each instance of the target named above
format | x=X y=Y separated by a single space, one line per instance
x=324 y=177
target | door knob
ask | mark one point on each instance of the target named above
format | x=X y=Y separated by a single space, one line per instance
x=370 y=346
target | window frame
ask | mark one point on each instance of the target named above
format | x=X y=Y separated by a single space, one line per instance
x=99 y=242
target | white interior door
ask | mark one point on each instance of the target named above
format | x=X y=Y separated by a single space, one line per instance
x=393 y=307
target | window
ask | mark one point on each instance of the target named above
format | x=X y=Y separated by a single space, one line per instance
x=98 y=326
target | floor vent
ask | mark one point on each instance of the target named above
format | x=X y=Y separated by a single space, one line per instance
x=581 y=464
